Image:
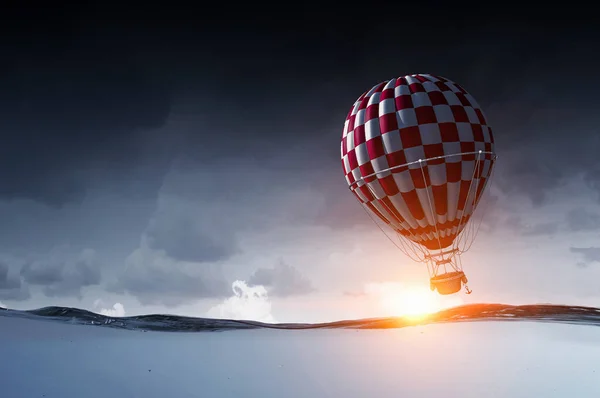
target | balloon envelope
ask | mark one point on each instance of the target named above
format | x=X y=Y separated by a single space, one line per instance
x=417 y=151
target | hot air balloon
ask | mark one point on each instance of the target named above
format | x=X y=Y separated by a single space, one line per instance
x=418 y=153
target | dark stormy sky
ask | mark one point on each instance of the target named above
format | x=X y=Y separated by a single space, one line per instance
x=152 y=156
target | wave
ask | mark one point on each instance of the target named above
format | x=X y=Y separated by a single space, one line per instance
x=176 y=323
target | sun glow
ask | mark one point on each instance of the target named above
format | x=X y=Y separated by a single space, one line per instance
x=410 y=301
x=416 y=302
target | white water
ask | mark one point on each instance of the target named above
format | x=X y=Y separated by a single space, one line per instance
x=480 y=359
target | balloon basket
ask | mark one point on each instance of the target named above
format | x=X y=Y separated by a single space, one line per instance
x=448 y=283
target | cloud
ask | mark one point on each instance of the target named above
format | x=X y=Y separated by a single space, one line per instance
x=117 y=309
x=203 y=209
x=589 y=255
x=119 y=96
x=155 y=278
x=281 y=280
x=187 y=231
x=580 y=219
x=354 y=294
x=253 y=171
x=247 y=303
x=543 y=141
x=253 y=193
x=516 y=224
x=78 y=115
x=541 y=229
x=11 y=285
x=201 y=216
x=520 y=175
x=563 y=142
x=62 y=274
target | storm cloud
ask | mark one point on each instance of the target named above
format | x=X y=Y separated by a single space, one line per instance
x=115 y=112
x=281 y=280
x=155 y=278
x=192 y=155
x=90 y=112
x=61 y=274
x=581 y=219
x=11 y=285
x=185 y=235
x=589 y=255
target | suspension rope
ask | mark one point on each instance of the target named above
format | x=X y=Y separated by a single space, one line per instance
x=466 y=234
x=433 y=213
x=461 y=225
x=488 y=183
x=403 y=249
x=385 y=205
x=415 y=248
x=379 y=226
x=468 y=229
x=462 y=216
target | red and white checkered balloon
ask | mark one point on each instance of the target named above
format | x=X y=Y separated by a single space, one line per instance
x=417 y=151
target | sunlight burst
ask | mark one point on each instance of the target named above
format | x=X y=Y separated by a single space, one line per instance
x=409 y=301
x=415 y=302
